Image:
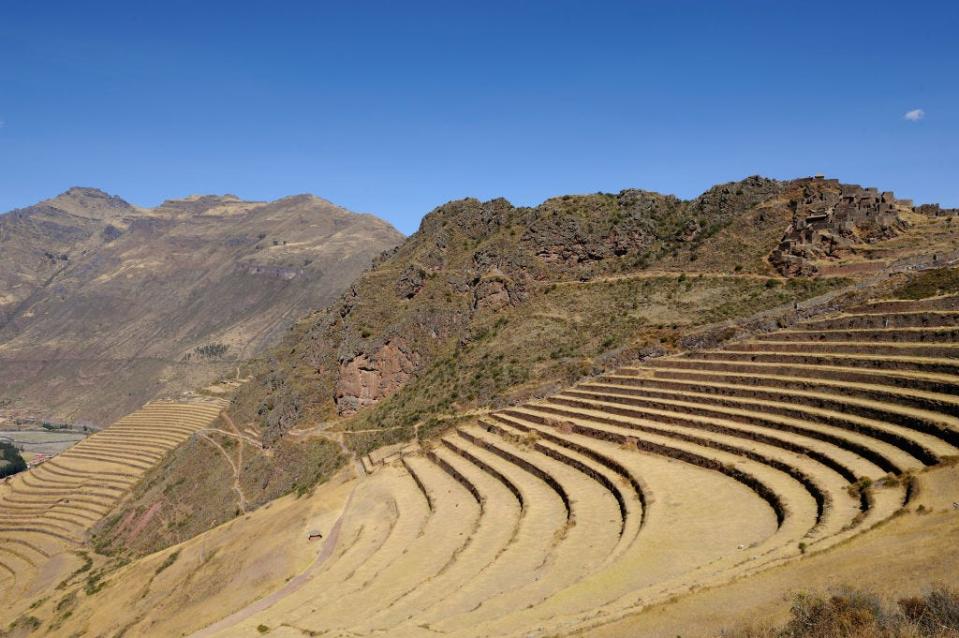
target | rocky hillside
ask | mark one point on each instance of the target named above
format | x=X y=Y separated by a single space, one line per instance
x=489 y=305
x=104 y=305
x=567 y=284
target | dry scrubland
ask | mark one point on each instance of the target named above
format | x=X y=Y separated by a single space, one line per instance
x=644 y=452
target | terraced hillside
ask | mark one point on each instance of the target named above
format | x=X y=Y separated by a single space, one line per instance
x=45 y=513
x=626 y=489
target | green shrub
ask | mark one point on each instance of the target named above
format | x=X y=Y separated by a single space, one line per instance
x=941 y=281
x=169 y=561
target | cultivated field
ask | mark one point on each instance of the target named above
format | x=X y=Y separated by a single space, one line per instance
x=46 y=512
x=630 y=488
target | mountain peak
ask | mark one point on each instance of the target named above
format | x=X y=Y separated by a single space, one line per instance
x=90 y=202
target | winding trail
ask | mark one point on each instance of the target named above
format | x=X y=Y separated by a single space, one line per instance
x=235 y=465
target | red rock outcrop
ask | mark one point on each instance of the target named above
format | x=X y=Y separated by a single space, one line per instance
x=365 y=379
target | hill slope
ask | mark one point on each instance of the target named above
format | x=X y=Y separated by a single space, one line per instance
x=489 y=305
x=555 y=281
x=103 y=305
x=710 y=482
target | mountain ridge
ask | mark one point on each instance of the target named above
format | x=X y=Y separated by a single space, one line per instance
x=86 y=275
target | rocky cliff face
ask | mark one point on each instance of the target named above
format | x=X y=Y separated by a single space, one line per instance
x=367 y=378
x=104 y=305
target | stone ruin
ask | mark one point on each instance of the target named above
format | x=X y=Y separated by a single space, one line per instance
x=935 y=210
x=831 y=219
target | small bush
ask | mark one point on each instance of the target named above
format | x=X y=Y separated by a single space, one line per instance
x=169 y=561
x=262 y=629
x=849 y=613
x=212 y=350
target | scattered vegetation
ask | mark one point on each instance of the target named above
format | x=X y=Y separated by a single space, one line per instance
x=850 y=613
x=11 y=461
x=168 y=561
x=930 y=283
x=213 y=350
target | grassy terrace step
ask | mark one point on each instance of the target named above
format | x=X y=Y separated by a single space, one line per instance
x=38 y=521
x=153 y=424
x=412 y=518
x=582 y=547
x=89 y=484
x=145 y=452
x=85 y=494
x=827 y=489
x=72 y=509
x=885 y=348
x=380 y=516
x=599 y=425
x=162 y=417
x=76 y=469
x=162 y=439
x=454 y=516
x=696 y=501
x=587 y=496
x=878 y=441
x=41 y=507
x=113 y=459
x=584 y=465
x=497 y=528
x=798 y=354
x=530 y=552
x=39 y=530
x=60 y=516
x=8 y=553
x=587 y=451
x=936 y=402
x=158 y=438
x=923 y=381
x=914 y=319
x=80 y=494
x=516 y=457
x=927 y=422
x=30 y=548
x=151 y=428
x=851 y=456
x=950 y=302
x=948 y=334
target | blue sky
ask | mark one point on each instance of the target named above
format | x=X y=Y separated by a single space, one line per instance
x=396 y=107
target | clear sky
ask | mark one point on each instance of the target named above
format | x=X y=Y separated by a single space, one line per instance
x=396 y=107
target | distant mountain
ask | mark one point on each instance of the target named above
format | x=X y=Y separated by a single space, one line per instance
x=104 y=305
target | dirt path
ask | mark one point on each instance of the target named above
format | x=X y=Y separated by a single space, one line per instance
x=241 y=436
x=294 y=585
x=235 y=465
x=658 y=274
